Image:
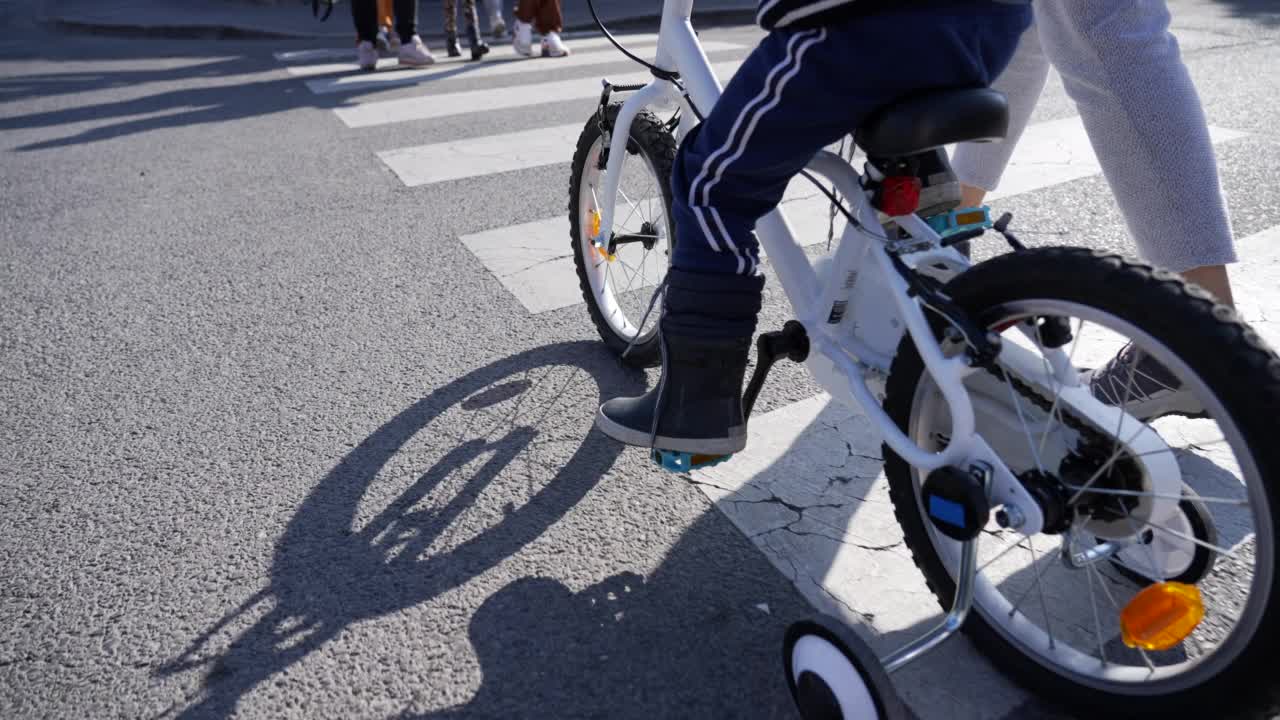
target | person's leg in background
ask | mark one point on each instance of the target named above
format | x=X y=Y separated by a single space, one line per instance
x=479 y=48
x=413 y=51
x=497 y=26
x=1144 y=119
x=544 y=16
x=451 y=28
x=364 y=14
x=776 y=112
x=388 y=43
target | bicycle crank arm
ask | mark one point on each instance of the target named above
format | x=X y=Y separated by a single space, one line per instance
x=791 y=341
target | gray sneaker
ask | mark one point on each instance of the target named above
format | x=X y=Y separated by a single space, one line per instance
x=1145 y=388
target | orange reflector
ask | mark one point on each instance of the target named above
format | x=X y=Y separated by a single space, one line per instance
x=595 y=224
x=696 y=460
x=1161 y=616
x=970 y=218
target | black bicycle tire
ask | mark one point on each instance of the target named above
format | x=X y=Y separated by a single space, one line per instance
x=650 y=136
x=1196 y=328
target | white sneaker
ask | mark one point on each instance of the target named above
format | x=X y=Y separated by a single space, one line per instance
x=497 y=27
x=367 y=56
x=522 y=38
x=415 y=53
x=553 y=46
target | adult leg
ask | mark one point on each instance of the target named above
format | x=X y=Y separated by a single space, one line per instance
x=527 y=10
x=406 y=19
x=543 y=15
x=450 y=17
x=979 y=166
x=550 y=18
x=477 y=44
x=364 y=14
x=1124 y=71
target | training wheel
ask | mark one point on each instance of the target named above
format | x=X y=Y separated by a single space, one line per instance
x=836 y=676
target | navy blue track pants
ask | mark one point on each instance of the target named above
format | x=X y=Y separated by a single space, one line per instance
x=801 y=90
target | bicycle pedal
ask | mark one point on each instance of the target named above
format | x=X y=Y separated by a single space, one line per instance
x=679 y=462
x=961 y=220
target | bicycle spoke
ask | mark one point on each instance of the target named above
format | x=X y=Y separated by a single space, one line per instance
x=1137 y=533
x=1093 y=604
x=1187 y=448
x=1035 y=585
x=1017 y=405
x=1102 y=582
x=1007 y=548
x=1105 y=467
x=1057 y=396
x=1208 y=546
x=1124 y=402
x=1044 y=607
x=1239 y=502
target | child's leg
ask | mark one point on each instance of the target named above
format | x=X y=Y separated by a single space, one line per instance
x=797 y=92
x=800 y=91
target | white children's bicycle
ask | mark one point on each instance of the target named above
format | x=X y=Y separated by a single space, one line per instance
x=1109 y=561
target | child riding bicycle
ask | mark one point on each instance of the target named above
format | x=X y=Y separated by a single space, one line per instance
x=820 y=72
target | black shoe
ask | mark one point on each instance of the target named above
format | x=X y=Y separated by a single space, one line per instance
x=451 y=45
x=479 y=48
x=699 y=397
x=707 y=325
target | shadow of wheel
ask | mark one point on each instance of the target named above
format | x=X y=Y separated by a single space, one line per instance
x=508 y=450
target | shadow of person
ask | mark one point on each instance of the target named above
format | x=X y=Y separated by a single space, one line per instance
x=340 y=562
x=699 y=637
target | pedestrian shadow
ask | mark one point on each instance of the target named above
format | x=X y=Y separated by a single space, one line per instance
x=339 y=563
x=180 y=107
x=697 y=638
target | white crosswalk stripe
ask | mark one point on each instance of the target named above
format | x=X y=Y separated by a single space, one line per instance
x=1049 y=153
x=486 y=155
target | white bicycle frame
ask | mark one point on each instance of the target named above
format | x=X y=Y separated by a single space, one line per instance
x=848 y=347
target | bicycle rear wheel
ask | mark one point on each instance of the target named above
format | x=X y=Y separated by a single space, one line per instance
x=1042 y=613
x=618 y=287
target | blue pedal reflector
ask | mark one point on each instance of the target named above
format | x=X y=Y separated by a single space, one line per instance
x=955 y=502
x=959 y=220
x=679 y=462
x=948 y=511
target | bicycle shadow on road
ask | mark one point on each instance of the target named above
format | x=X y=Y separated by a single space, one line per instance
x=698 y=639
x=342 y=560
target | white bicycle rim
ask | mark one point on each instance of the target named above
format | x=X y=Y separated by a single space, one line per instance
x=928 y=418
x=631 y=273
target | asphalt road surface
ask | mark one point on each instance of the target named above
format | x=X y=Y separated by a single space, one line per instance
x=297 y=393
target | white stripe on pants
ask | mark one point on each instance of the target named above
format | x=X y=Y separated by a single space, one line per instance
x=1123 y=70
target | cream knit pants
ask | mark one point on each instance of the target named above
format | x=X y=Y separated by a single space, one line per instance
x=1122 y=69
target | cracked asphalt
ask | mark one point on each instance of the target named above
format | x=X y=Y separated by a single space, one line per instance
x=276 y=445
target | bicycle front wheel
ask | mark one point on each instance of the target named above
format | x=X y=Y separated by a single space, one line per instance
x=618 y=286
x=1048 y=607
